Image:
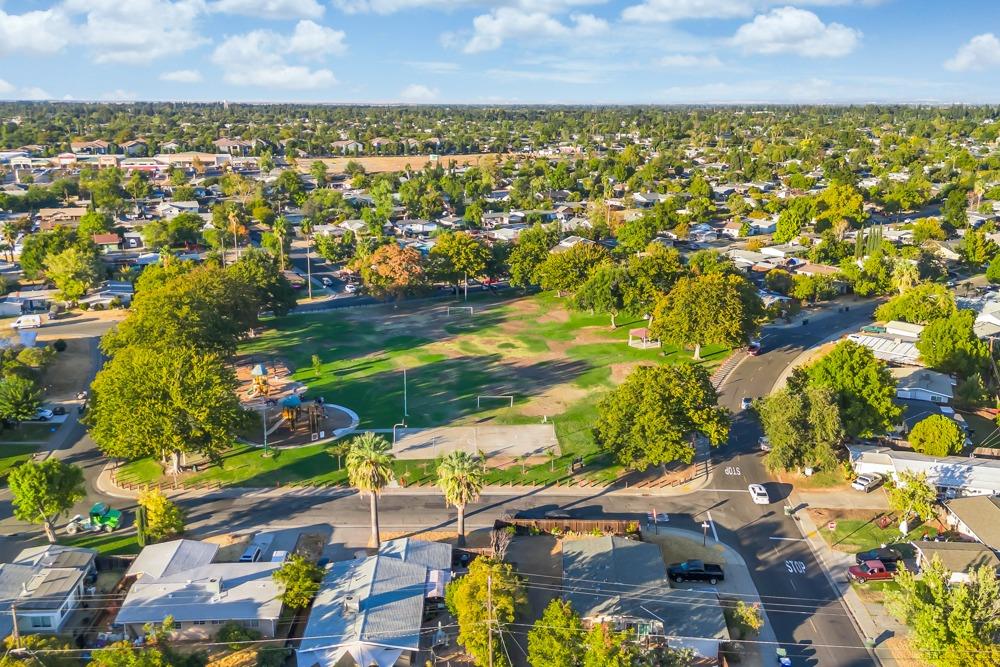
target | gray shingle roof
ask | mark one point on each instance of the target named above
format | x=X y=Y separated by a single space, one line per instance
x=166 y=558
x=959 y=556
x=982 y=515
x=432 y=555
x=390 y=596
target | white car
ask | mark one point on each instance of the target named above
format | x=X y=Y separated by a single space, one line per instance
x=350 y=288
x=746 y=403
x=759 y=494
x=764 y=443
x=27 y=322
x=866 y=482
x=43 y=414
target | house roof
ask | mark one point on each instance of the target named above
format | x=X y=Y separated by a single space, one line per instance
x=56 y=555
x=217 y=591
x=913 y=378
x=49 y=588
x=888 y=348
x=982 y=515
x=106 y=239
x=950 y=471
x=958 y=556
x=389 y=594
x=612 y=576
x=168 y=558
x=432 y=555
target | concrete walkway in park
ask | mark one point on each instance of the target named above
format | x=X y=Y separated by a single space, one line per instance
x=872 y=620
x=105 y=484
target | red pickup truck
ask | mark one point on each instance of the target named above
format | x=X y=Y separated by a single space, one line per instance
x=870 y=570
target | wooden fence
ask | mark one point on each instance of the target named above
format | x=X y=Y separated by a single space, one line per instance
x=620 y=527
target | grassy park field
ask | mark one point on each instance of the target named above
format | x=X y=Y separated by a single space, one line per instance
x=556 y=363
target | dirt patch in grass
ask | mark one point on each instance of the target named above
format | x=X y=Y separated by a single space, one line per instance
x=621 y=371
x=69 y=371
x=377 y=164
x=555 y=315
x=555 y=401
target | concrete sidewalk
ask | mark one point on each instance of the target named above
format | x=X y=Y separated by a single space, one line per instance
x=872 y=620
x=105 y=485
x=739 y=585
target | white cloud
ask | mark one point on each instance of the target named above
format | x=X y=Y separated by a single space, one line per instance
x=34 y=93
x=434 y=66
x=315 y=41
x=137 y=31
x=791 y=30
x=416 y=92
x=182 y=76
x=659 y=11
x=6 y=87
x=980 y=52
x=118 y=95
x=270 y=9
x=38 y=32
x=491 y=30
x=683 y=60
x=393 y=6
x=257 y=58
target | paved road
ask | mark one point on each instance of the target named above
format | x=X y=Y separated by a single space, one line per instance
x=807 y=615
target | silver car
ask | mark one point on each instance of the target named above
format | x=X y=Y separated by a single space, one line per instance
x=866 y=482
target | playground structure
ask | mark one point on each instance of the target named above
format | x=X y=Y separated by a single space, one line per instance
x=640 y=339
x=288 y=418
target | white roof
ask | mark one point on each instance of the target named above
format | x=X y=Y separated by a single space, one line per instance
x=911 y=377
x=888 y=349
x=168 y=558
x=975 y=475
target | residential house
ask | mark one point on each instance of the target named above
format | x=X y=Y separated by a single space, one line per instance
x=903 y=329
x=733 y=229
x=784 y=250
x=648 y=199
x=814 y=269
x=106 y=243
x=47 y=584
x=170 y=146
x=569 y=242
x=345 y=146
x=960 y=558
x=624 y=583
x=921 y=384
x=435 y=556
x=493 y=219
x=135 y=148
x=233 y=146
x=179 y=578
x=508 y=234
x=354 y=226
x=171 y=209
x=955 y=475
x=96 y=147
x=418 y=227
x=758 y=227
x=987 y=323
x=367 y=612
x=49 y=218
x=887 y=348
x=976 y=517
x=111 y=293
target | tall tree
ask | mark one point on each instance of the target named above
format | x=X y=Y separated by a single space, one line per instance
x=461 y=477
x=951 y=345
x=457 y=255
x=711 y=309
x=605 y=647
x=977 y=250
x=912 y=495
x=793 y=219
x=163 y=517
x=259 y=271
x=530 y=253
x=803 y=427
x=604 y=291
x=394 y=271
x=369 y=470
x=74 y=271
x=42 y=491
x=300 y=581
x=164 y=401
x=555 y=640
x=937 y=436
x=653 y=417
x=484 y=602
x=20 y=398
x=863 y=386
x=921 y=304
x=567 y=270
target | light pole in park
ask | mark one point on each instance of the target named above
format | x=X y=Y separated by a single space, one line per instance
x=704 y=537
x=263 y=420
x=405 y=411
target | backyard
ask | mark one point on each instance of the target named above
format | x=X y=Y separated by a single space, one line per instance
x=554 y=362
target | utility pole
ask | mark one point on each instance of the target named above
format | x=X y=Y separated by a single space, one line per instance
x=489 y=612
x=15 y=632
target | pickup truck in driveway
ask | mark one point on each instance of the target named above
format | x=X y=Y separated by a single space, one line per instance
x=870 y=570
x=695 y=570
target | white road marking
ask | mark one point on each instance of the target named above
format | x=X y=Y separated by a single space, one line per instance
x=788 y=539
x=715 y=535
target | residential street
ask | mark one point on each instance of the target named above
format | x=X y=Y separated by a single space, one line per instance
x=807 y=614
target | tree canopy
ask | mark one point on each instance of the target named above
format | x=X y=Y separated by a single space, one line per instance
x=950 y=344
x=42 y=491
x=937 y=435
x=921 y=304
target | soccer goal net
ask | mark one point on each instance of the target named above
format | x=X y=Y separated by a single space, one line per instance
x=493 y=399
x=461 y=310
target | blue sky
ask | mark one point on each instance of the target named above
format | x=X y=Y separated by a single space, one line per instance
x=502 y=51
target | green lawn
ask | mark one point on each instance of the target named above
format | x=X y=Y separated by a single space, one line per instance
x=557 y=363
x=107 y=544
x=13 y=455
x=859 y=535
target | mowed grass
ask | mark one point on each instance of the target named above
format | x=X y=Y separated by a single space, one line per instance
x=557 y=363
x=28 y=432
x=12 y=456
x=117 y=543
x=859 y=535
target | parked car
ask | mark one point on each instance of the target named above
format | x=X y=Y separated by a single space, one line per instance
x=753 y=349
x=696 y=570
x=252 y=554
x=870 y=570
x=889 y=557
x=746 y=403
x=43 y=414
x=350 y=288
x=759 y=494
x=866 y=482
x=27 y=322
x=326 y=281
x=764 y=443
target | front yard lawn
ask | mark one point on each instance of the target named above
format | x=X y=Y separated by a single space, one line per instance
x=14 y=455
x=107 y=544
x=857 y=532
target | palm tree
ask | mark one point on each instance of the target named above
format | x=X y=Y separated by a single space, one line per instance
x=280 y=230
x=369 y=469
x=461 y=478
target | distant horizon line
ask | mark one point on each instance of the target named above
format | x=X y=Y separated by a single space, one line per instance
x=746 y=103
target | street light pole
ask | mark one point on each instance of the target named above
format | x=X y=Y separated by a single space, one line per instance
x=263 y=419
x=405 y=411
x=704 y=536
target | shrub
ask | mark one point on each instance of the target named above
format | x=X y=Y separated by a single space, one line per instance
x=59 y=345
x=234 y=634
x=271 y=656
x=85 y=306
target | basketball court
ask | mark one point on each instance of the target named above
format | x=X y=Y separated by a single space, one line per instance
x=496 y=441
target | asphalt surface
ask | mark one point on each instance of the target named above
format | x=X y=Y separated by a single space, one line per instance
x=807 y=615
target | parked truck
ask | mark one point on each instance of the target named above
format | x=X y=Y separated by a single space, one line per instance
x=870 y=570
x=696 y=570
